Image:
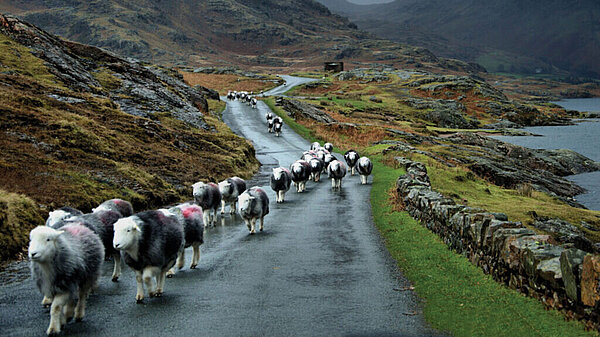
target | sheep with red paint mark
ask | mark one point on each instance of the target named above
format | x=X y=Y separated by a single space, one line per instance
x=189 y=216
x=65 y=264
x=253 y=205
x=207 y=196
x=118 y=205
x=150 y=243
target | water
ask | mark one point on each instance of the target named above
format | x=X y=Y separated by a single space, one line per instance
x=584 y=138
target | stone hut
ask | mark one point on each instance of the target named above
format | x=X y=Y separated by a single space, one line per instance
x=335 y=67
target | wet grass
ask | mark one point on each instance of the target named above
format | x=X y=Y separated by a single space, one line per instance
x=458 y=297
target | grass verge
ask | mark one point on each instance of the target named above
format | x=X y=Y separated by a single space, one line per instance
x=459 y=297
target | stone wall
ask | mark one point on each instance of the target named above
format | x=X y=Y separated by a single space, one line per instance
x=562 y=276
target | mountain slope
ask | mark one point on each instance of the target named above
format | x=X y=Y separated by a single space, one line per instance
x=563 y=34
x=80 y=125
x=248 y=32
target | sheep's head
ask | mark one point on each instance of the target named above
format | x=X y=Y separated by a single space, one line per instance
x=245 y=201
x=42 y=244
x=225 y=187
x=57 y=216
x=127 y=233
x=101 y=208
x=277 y=173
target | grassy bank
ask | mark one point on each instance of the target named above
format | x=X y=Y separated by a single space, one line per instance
x=459 y=298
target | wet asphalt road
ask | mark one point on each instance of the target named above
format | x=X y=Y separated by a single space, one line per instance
x=319 y=269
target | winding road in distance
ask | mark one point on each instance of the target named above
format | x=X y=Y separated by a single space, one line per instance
x=320 y=268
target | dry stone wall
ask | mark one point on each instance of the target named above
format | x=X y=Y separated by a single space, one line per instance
x=563 y=276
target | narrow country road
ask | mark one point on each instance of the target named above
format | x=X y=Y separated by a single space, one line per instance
x=319 y=269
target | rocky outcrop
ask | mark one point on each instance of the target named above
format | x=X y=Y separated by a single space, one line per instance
x=298 y=109
x=138 y=89
x=560 y=275
x=444 y=113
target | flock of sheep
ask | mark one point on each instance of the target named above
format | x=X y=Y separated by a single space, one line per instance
x=67 y=253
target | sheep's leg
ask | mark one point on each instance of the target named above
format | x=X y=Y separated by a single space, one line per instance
x=139 y=297
x=333 y=183
x=68 y=311
x=179 y=264
x=233 y=207
x=195 y=255
x=46 y=301
x=214 y=217
x=352 y=171
x=80 y=308
x=262 y=223
x=149 y=274
x=117 y=269
x=205 y=218
x=56 y=313
x=248 y=224
x=160 y=283
x=252 y=224
x=222 y=206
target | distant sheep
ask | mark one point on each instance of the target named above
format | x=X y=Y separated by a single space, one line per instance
x=207 y=196
x=65 y=264
x=328 y=147
x=281 y=180
x=190 y=218
x=277 y=125
x=118 y=205
x=150 y=242
x=253 y=102
x=253 y=205
x=230 y=189
x=315 y=146
x=351 y=157
x=364 y=168
x=316 y=167
x=336 y=171
x=61 y=214
x=270 y=125
x=327 y=160
x=300 y=171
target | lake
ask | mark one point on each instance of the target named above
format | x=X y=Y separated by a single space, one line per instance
x=584 y=138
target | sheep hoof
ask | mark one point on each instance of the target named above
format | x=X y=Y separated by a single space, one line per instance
x=222 y=212
x=78 y=319
x=193 y=266
x=158 y=294
x=139 y=298
x=115 y=279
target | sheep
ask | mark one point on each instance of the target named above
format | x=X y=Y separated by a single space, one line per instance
x=316 y=167
x=150 y=243
x=351 y=158
x=269 y=116
x=190 y=218
x=328 y=147
x=253 y=102
x=315 y=146
x=277 y=125
x=60 y=214
x=64 y=262
x=336 y=171
x=230 y=189
x=300 y=171
x=327 y=160
x=281 y=180
x=118 y=205
x=270 y=124
x=364 y=167
x=100 y=222
x=208 y=197
x=253 y=204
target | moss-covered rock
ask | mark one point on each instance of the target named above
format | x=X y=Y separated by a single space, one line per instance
x=18 y=215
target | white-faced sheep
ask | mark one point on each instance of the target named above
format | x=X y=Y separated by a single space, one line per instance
x=207 y=196
x=315 y=146
x=281 y=180
x=270 y=124
x=118 y=205
x=327 y=160
x=336 y=171
x=300 y=171
x=65 y=264
x=150 y=242
x=351 y=157
x=328 y=147
x=190 y=218
x=253 y=205
x=364 y=168
x=253 y=102
x=230 y=189
x=60 y=214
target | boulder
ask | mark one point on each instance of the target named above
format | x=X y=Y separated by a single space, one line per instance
x=571 y=261
x=590 y=280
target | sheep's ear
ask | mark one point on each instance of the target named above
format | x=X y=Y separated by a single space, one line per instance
x=136 y=227
x=59 y=233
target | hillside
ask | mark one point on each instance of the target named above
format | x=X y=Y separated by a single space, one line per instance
x=269 y=34
x=509 y=35
x=81 y=125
